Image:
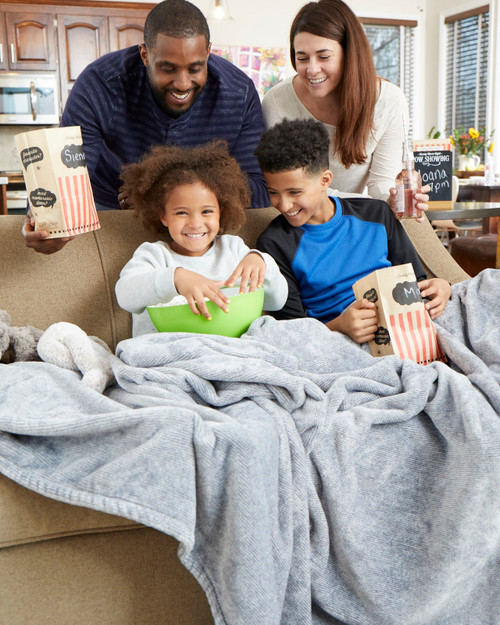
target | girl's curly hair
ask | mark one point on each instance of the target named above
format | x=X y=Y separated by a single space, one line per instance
x=148 y=183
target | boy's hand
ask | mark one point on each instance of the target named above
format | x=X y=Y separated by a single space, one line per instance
x=438 y=291
x=251 y=270
x=421 y=195
x=38 y=242
x=359 y=321
x=196 y=288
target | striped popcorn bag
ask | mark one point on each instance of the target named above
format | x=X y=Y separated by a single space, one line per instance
x=405 y=327
x=56 y=177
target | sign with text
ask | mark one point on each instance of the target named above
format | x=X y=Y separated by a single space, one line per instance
x=434 y=162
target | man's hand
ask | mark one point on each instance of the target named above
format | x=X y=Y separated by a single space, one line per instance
x=123 y=201
x=359 y=321
x=38 y=241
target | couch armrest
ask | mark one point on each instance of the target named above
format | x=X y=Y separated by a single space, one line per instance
x=437 y=261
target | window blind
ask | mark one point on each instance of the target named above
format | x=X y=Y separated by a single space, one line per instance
x=466 y=69
x=393 y=47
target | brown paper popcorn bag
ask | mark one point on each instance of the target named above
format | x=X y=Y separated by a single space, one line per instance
x=405 y=327
x=57 y=180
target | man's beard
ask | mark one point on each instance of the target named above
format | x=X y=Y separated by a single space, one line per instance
x=159 y=98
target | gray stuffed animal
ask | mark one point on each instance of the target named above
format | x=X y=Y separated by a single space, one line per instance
x=17 y=343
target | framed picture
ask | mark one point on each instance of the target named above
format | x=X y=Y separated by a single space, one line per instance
x=265 y=66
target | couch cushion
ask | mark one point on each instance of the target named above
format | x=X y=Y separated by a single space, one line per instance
x=39 y=290
x=27 y=517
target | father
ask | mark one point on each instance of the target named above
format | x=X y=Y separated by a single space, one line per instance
x=169 y=90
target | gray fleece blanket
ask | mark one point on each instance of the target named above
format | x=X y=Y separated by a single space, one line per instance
x=307 y=482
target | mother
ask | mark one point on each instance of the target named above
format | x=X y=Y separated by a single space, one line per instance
x=336 y=83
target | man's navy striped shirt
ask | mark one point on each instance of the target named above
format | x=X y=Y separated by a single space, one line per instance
x=112 y=102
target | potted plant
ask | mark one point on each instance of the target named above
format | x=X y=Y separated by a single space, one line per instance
x=469 y=145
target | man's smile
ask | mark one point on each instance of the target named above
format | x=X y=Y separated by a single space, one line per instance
x=180 y=95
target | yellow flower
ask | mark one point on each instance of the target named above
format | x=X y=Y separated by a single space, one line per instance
x=490 y=149
x=451 y=140
x=473 y=133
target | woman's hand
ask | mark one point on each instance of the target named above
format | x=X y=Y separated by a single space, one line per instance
x=38 y=240
x=196 y=288
x=421 y=196
x=438 y=291
x=359 y=321
x=251 y=270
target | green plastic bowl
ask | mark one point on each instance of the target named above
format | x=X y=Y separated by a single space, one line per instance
x=243 y=309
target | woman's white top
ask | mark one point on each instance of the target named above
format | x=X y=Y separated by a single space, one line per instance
x=148 y=277
x=384 y=149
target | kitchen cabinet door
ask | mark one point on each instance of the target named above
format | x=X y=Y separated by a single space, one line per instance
x=30 y=41
x=126 y=31
x=82 y=39
x=3 y=44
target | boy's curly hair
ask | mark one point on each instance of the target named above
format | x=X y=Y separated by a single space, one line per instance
x=294 y=144
x=149 y=182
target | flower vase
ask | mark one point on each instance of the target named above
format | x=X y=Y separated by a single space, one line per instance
x=468 y=162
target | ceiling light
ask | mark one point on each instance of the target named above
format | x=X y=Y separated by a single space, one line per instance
x=219 y=10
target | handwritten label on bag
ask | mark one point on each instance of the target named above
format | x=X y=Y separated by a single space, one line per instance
x=406 y=293
x=30 y=156
x=73 y=156
x=42 y=197
x=382 y=336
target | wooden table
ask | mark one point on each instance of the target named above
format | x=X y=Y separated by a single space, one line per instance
x=469 y=210
x=13 y=178
x=479 y=193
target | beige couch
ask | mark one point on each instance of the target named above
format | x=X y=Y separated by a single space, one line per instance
x=61 y=564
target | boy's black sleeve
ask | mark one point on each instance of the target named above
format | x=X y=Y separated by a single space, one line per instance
x=282 y=244
x=400 y=249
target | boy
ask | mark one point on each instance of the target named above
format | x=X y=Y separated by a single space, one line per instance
x=324 y=244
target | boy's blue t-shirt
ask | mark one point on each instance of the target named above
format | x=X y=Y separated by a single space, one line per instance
x=322 y=262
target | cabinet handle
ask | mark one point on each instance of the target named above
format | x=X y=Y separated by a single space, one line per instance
x=1 y=52
x=12 y=53
x=33 y=99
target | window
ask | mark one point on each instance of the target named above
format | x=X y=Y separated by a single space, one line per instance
x=393 y=47
x=466 y=69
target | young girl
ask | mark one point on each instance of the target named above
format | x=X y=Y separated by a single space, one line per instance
x=196 y=195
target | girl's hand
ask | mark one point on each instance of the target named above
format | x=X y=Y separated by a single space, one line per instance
x=420 y=195
x=251 y=270
x=196 y=288
x=438 y=291
x=359 y=321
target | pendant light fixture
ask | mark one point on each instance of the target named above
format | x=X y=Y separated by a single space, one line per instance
x=219 y=10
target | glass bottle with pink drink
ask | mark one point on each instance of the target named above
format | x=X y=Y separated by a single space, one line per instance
x=408 y=181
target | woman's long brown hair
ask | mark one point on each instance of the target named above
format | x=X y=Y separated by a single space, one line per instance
x=333 y=19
